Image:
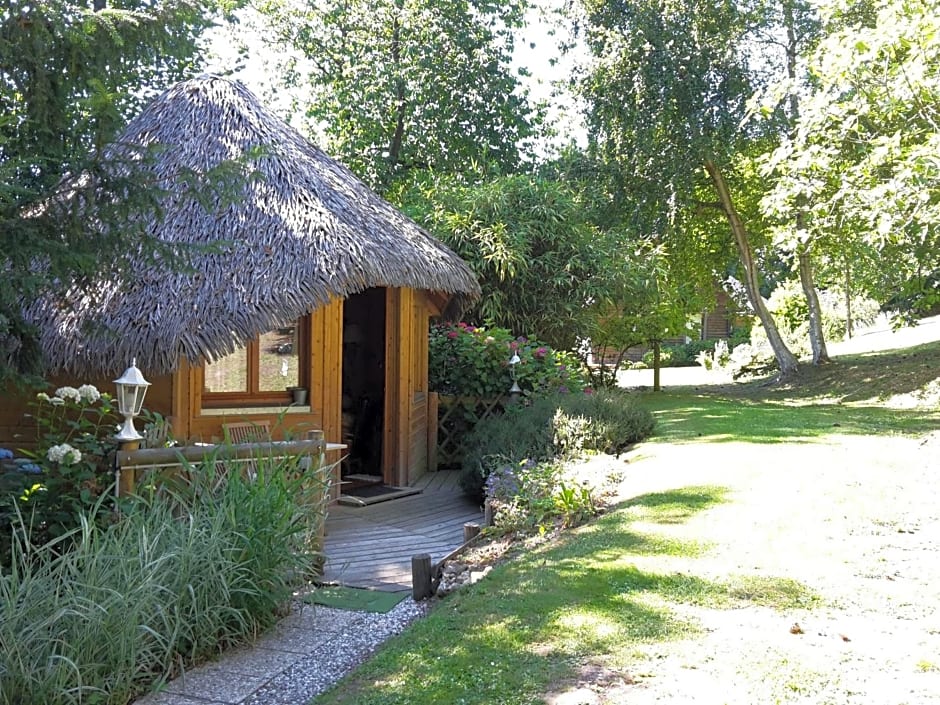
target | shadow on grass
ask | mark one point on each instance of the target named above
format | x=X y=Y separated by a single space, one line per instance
x=534 y=620
x=675 y=506
x=875 y=375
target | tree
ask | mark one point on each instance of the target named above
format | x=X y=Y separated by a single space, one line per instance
x=541 y=264
x=651 y=305
x=863 y=157
x=70 y=75
x=662 y=284
x=666 y=95
x=409 y=85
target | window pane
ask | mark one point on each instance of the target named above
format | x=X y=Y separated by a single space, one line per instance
x=278 y=360
x=228 y=374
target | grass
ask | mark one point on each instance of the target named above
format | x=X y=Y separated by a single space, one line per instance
x=534 y=620
x=602 y=593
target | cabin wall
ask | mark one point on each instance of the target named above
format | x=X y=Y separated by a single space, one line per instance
x=324 y=372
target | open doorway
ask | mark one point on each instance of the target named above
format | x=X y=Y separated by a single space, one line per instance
x=364 y=385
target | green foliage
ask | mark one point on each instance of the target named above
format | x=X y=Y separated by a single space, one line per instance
x=789 y=306
x=172 y=582
x=862 y=156
x=667 y=95
x=538 y=259
x=405 y=85
x=69 y=472
x=466 y=360
x=531 y=495
x=71 y=76
x=547 y=428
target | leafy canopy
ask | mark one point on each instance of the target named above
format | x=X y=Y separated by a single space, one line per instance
x=70 y=76
x=404 y=85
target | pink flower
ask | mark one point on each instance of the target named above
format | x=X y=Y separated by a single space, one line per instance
x=541 y=352
x=513 y=345
x=588 y=390
x=453 y=334
x=461 y=325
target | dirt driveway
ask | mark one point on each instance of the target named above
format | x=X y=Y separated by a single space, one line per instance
x=856 y=520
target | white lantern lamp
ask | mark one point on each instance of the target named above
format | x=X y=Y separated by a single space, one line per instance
x=515 y=391
x=131 y=390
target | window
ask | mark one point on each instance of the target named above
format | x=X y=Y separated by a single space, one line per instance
x=259 y=374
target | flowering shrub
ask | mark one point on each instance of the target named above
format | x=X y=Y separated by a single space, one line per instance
x=70 y=469
x=536 y=495
x=474 y=361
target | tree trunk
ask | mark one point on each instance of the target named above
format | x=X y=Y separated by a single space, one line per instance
x=817 y=338
x=786 y=361
x=848 y=299
x=656 y=361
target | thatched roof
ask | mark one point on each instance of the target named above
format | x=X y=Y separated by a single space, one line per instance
x=303 y=232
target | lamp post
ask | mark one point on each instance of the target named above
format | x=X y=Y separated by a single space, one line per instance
x=131 y=390
x=515 y=391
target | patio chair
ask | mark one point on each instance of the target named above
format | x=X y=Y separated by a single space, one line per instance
x=247 y=432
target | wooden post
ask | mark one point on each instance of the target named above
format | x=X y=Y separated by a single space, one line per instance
x=432 y=431
x=127 y=477
x=421 y=586
x=470 y=529
x=487 y=512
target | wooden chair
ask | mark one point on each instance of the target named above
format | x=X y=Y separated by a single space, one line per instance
x=246 y=432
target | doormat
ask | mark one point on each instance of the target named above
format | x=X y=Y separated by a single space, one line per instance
x=358 y=599
x=370 y=494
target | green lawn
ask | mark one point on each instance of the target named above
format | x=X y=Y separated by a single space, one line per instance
x=601 y=592
x=532 y=621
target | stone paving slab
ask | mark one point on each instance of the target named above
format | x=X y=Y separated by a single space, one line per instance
x=221 y=685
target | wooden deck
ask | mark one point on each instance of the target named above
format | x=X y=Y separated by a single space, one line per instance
x=372 y=546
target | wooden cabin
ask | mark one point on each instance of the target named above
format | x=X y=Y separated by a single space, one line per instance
x=312 y=283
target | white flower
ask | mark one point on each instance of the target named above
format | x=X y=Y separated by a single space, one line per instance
x=42 y=396
x=89 y=393
x=64 y=453
x=56 y=401
x=68 y=393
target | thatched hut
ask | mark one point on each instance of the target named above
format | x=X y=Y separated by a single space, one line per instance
x=310 y=281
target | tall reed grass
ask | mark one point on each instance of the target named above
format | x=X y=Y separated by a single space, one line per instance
x=194 y=569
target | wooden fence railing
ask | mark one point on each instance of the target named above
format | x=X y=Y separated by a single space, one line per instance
x=456 y=418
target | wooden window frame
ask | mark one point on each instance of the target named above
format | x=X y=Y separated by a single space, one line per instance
x=255 y=397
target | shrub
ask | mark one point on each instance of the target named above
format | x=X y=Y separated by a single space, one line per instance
x=530 y=495
x=207 y=565
x=473 y=361
x=69 y=471
x=557 y=426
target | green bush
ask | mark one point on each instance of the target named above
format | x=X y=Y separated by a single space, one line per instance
x=69 y=471
x=206 y=565
x=547 y=428
x=466 y=360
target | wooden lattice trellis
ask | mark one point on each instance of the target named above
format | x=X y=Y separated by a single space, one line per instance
x=456 y=418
